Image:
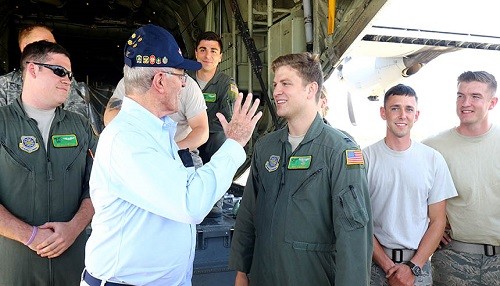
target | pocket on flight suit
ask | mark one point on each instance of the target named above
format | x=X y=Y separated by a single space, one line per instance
x=17 y=177
x=354 y=213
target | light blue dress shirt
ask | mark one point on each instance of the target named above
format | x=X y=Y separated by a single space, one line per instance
x=147 y=203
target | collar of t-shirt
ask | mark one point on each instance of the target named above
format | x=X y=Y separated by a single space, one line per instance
x=201 y=83
x=295 y=140
x=43 y=119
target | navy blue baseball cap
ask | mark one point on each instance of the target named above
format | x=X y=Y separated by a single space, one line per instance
x=153 y=46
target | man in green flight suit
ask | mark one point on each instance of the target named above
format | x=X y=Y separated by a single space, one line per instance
x=45 y=162
x=219 y=91
x=305 y=215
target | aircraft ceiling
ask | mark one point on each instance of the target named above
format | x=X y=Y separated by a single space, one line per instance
x=94 y=31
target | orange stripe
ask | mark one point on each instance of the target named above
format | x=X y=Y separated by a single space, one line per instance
x=331 y=16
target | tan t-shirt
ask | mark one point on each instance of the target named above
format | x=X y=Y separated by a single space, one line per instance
x=191 y=104
x=474 y=163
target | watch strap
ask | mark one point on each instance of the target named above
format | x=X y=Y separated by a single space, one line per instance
x=415 y=269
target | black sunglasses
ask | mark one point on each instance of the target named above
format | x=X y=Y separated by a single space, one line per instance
x=57 y=70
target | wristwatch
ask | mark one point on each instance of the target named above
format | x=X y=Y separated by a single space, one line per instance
x=415 y=269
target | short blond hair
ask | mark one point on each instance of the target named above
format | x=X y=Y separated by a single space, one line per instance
x=26 y=32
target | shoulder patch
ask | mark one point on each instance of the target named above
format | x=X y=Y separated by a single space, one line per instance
x=354 y=157
x=234 y=90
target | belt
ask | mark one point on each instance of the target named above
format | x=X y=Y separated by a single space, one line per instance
x=399 y=255
x=92 y=281
x=474 y=248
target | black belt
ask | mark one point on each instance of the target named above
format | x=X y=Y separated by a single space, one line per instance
x=399 y=255
x=92 y=281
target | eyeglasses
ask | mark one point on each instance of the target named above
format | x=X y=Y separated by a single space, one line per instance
x=182 y=76
x=56 y=69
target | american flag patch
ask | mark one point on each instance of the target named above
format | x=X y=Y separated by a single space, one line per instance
x=234 y=90
x=354 y=157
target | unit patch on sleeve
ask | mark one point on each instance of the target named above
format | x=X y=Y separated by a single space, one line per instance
x=234 y=90
x=354 y=157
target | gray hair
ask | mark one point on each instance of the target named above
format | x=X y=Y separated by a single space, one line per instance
x=139 y=79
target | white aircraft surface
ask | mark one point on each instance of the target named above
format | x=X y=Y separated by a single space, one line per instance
x=425 y=44
x=435 y=86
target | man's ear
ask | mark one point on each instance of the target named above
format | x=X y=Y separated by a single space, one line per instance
x=30 y=70
x=493 y=102
x=312 y=89
x=382 y=113
x=417 y=114
x=159 y=81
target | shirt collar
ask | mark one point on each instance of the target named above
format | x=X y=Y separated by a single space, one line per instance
x=314 y=130
x=146 y=119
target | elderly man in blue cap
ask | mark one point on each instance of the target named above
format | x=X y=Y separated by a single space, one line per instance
x=147 y=200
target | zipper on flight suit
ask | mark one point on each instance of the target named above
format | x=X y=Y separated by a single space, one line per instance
x=308 y=179
x=34 y=125
x=50 y=177
x=282 y=170
x=351 y=188
x=14 y=156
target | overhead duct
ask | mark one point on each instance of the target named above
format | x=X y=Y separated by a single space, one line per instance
x=57 y=3
x=133 y=5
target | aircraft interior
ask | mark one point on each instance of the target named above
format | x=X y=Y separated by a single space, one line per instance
x=254 y=32
x=345 y=33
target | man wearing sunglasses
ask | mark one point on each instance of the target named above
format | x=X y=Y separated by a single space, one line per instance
x=11 y=83
x=45 y=162
x=57 y=70
x=147 y=202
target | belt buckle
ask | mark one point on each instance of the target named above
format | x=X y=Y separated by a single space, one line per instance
x=397 y=255
x=489 y=250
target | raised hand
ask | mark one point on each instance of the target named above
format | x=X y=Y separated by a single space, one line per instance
x=243 y=121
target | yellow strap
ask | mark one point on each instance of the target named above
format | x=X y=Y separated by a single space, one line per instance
x=331 y=16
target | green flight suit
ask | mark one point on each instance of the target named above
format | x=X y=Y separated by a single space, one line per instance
x=219 y=93
x=305 y=216
x=39 y=186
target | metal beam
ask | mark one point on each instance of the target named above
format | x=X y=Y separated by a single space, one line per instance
x=358 y=14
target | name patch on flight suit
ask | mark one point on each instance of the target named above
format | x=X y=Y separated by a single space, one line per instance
x=28 y=144
x=210 y=97
x=299 y=162
x=354 y=158
x=64 y=141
